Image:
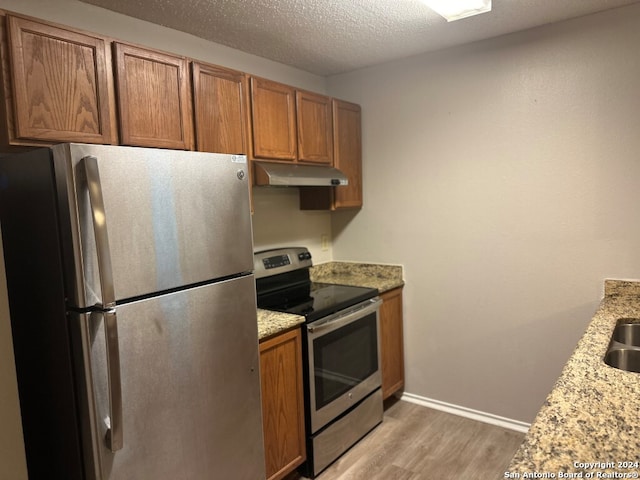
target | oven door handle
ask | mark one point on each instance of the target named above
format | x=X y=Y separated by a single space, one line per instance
x=334 y=322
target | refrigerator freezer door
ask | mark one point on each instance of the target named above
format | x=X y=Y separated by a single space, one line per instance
x=190 y=386
x=171 y=218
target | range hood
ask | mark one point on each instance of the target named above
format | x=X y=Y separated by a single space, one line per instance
x=294 y=175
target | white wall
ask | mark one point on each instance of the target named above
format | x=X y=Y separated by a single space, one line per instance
x=504 y=176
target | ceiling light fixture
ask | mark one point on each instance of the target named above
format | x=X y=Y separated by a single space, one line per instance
x=457 y=9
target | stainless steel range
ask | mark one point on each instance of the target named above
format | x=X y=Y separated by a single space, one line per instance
x=343 y=401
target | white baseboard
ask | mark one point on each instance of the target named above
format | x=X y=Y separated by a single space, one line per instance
x=467 y=413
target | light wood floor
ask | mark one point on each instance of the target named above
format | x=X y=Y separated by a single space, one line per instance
x=418 y=443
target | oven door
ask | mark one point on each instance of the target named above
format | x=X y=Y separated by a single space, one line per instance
x=343 y=360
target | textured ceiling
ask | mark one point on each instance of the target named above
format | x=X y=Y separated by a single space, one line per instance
x=333 y=36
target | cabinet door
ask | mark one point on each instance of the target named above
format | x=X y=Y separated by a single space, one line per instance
x=391 y=342
x=282 y=403
x=347 y=135
x=347 y=149
x=153 y=98
x=220 y=98
x=315 y=135
x=273 y=115
x=60 y=83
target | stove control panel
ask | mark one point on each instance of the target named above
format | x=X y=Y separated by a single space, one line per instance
x=280 y=260
x=304 y=256
x=276 y=261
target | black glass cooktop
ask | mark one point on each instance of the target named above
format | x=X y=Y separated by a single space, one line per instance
x=317 y=300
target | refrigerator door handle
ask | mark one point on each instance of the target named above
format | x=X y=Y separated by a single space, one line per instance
x=100 y=231
x=114 y=437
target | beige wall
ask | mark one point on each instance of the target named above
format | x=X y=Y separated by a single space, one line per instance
x=504 y=176
x=279 y=222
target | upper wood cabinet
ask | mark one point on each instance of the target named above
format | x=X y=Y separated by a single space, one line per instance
x=347 y=135
x=315 y=136
x=347 y=148
x=289 y=124
x=60 y=85
x=282 y=403
x=391 y=342
x=273 y=116
x=153 y=98
x=220 y=100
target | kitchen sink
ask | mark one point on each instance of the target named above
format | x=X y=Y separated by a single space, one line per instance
x=627 y=359
x=627 y=332
x=624 y=348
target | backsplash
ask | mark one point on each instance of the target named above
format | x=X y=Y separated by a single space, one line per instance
x=621 y=287
x=278 y=222
x=382 y=277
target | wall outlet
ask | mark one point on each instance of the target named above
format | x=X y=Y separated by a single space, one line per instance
x=324 y=242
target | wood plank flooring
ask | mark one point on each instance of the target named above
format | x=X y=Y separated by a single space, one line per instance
x=418 y=443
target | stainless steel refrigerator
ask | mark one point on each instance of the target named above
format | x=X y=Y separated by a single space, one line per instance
x=133 y=314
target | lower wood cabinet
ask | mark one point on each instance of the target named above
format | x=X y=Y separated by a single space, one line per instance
x=391 y=342
x=282 y=403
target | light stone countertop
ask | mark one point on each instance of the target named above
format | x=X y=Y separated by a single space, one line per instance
x=271 y=323
x=382 y=277
x=592 y=415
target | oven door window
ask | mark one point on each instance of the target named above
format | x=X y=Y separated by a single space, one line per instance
x=343 y=358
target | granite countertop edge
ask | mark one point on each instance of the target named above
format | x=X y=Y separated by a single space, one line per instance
x=373 y=275
x=271 y=323
x=360 y=274
x=589 y=421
